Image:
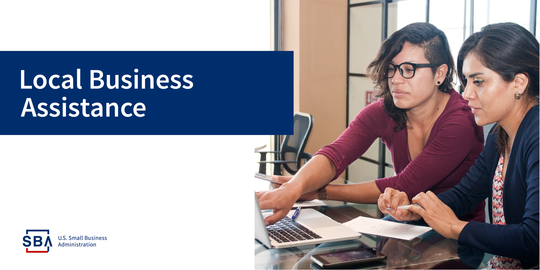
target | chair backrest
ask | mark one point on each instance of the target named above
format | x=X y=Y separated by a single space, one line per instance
x=292 y=148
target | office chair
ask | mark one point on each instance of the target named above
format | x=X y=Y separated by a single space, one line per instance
x=292 y=148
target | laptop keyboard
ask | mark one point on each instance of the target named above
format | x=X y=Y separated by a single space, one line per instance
x=287 y=230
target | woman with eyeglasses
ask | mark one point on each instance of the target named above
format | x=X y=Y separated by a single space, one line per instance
x=426 y=125
x=499 y=67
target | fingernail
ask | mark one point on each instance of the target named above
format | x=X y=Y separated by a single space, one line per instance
x=387 y=205
x=266 y=223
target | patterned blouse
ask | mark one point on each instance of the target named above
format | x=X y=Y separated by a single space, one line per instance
x=500 y=262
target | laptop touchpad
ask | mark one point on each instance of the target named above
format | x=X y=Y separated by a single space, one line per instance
x=315 y=219
x=319 y=222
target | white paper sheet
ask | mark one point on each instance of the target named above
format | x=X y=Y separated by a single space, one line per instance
x=386 y=228
x=309 y=203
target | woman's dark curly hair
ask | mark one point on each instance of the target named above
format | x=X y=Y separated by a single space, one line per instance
x=436 y=51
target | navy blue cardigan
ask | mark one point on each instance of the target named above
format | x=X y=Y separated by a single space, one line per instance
x=519 y=238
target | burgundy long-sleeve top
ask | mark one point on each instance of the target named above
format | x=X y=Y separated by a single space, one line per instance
x=453 y=145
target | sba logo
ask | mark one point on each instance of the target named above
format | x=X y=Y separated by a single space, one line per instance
x=38 y=241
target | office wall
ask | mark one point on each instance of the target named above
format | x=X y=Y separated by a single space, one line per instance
x=316 y=30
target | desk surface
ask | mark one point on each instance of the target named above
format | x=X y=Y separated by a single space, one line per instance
x=430 y=250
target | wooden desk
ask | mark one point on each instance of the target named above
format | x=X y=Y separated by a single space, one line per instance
x=430 y=250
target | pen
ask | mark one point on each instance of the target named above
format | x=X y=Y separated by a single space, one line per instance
x=295 y=215
x=406 y=207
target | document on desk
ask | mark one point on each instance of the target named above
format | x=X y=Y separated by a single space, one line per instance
x=309 y=203
x=386 y=228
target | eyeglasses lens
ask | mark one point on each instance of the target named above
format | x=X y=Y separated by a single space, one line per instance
x=406 y=70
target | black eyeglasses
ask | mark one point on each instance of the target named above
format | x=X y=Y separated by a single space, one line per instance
x=406 y=69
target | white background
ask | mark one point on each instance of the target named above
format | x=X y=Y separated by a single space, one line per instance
x=143 y=192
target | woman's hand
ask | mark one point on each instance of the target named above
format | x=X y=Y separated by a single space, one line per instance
x=437 y=215
x=281 y=200
x=313 y=175
x=281 y=179
x=392 y=198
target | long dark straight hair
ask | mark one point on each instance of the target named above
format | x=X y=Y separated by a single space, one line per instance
x=508 y=49
x=436 y=51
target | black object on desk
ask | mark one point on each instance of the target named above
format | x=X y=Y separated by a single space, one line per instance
x=348 y=257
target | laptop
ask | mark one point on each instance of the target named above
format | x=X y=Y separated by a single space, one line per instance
x=313 y=228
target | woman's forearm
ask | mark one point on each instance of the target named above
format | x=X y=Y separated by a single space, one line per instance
x=366 y=192
x=319 y=171
x=313 y=175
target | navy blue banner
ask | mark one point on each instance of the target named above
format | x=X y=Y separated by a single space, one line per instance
x=146 y=93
